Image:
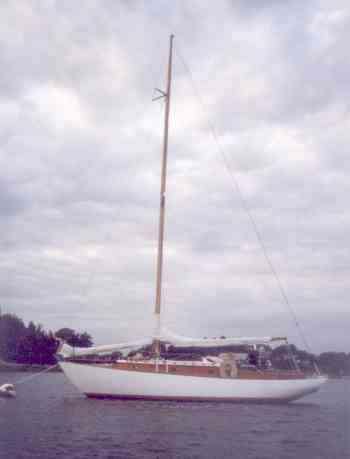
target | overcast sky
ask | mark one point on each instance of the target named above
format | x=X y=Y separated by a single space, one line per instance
x=80 y=143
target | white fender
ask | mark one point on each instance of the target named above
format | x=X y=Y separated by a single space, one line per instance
x=7 y=391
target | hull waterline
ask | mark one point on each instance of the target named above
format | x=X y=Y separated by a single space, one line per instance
x=104 y=382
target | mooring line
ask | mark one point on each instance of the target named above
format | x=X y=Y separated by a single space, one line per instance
x=27 y=378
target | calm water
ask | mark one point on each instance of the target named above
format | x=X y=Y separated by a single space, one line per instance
x=50 y=419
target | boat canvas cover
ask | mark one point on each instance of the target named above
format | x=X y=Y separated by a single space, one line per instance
x=182 y=341
x=67 y=351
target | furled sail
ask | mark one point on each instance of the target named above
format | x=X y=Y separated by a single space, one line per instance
x=66 y=351
x=182 y=341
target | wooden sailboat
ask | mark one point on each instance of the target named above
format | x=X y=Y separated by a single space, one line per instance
x=154 y=378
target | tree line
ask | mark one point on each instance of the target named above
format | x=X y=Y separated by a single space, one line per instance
x=334 y=364
x=31 y=344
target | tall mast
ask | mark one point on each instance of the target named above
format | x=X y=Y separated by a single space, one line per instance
x=166 y=95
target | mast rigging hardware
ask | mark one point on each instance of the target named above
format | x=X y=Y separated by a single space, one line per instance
x=162 y=94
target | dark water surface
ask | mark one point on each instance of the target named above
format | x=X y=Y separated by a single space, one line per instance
x=49 y=419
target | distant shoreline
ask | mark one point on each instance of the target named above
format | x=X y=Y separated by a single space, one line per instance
x=25 y=368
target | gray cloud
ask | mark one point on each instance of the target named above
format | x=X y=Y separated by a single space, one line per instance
x=80 y=161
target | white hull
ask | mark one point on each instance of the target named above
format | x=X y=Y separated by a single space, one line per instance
x=104 y=382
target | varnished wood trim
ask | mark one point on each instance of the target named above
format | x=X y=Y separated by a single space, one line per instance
x=201 y=371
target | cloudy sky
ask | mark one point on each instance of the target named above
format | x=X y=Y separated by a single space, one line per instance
x=80 y=143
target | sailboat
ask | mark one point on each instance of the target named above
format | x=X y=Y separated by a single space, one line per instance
x=152 y=377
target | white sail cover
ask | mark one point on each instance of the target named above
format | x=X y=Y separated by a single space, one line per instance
x=66 y=351
x=182 y=341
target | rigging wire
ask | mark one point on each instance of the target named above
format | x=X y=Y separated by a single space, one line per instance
x=246 y=208
x=35 y=375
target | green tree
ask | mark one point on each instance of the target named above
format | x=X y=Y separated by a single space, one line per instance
x=32 y=344
x=37 y=346
x=73 y=338
x=85 y=340
x=12 y=330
